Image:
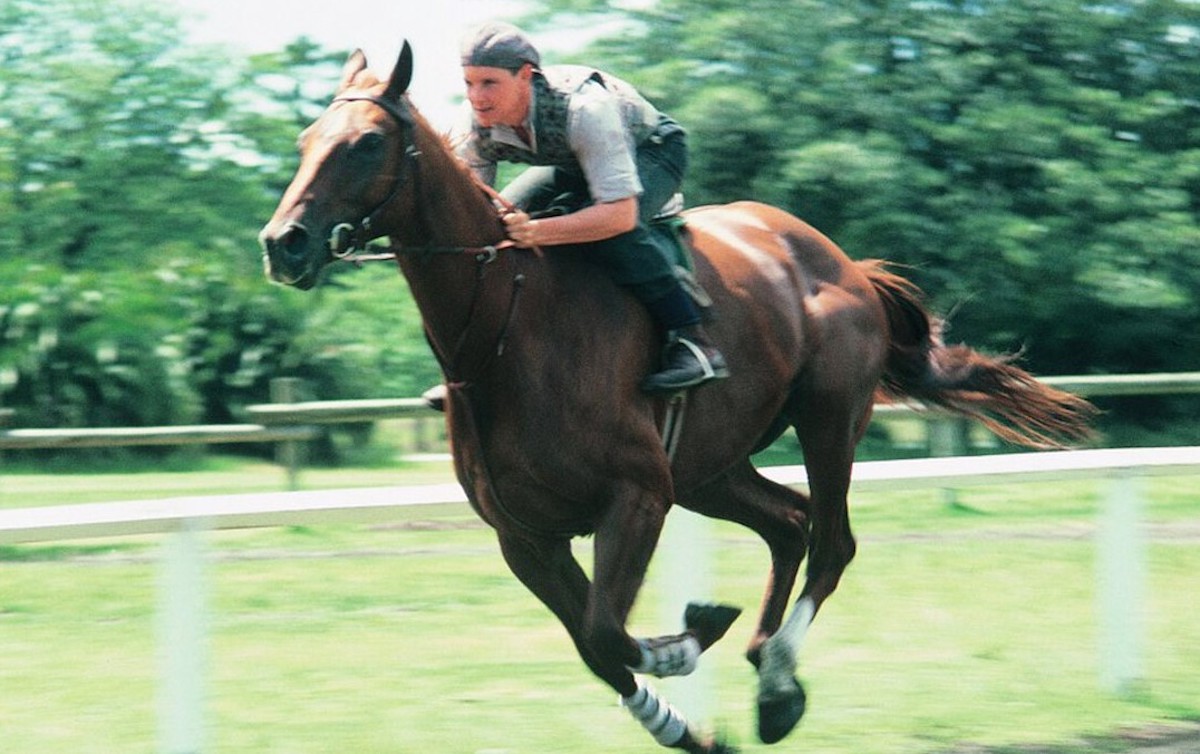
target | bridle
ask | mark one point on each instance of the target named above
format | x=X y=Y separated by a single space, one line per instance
x=347 y=242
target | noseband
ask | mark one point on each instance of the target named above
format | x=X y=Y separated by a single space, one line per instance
x=348 y=241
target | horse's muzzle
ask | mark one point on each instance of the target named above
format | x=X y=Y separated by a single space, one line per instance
x=291 y=256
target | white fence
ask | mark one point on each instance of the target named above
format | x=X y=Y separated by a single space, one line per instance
x=289 y=422
x=183 y=607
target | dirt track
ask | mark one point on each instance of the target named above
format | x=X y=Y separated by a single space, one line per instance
x=1177 y=738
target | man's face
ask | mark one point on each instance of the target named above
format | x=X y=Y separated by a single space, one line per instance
x=498 y=95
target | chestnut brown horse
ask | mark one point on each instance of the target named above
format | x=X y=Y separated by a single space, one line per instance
x=552 y=438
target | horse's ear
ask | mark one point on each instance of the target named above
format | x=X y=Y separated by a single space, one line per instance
x=353 y=66
x=401 y=74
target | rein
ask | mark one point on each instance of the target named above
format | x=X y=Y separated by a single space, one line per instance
x=348 y=242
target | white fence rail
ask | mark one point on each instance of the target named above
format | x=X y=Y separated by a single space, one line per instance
x=288 y=421
x=183 y=609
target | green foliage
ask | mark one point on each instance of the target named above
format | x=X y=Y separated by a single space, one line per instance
x=135 y=172
x=1034 y=162
x=65 y=362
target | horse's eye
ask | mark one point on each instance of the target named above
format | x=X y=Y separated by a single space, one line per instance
x=370 y=143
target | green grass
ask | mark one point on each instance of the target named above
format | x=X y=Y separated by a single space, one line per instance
x=952 y=627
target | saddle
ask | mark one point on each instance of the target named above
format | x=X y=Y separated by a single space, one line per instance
x=668 y=232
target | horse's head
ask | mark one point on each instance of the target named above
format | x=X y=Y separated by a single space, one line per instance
x=353 y=162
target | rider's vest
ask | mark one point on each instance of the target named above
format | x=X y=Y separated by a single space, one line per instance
x=552 y=92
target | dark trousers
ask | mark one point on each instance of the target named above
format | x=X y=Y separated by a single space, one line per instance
x=632 y=259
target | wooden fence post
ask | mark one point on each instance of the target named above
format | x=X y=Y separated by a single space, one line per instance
x=947 y=439
x=6 y=415
x=290 y=453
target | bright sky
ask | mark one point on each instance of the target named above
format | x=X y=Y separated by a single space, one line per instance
x=433 y=27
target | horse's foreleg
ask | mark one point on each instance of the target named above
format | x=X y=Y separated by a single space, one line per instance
x=625 y=540
x=679 y=654
x=668 y=726
x=549 y=570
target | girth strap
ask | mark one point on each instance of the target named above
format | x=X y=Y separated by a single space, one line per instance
x=672 y=425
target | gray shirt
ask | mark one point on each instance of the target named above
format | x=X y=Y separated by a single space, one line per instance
x=606 y=120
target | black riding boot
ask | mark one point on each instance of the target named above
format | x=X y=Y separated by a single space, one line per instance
x=690 y=359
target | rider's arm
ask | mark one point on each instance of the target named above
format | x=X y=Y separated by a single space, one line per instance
x=604 y=149
x=595 y=223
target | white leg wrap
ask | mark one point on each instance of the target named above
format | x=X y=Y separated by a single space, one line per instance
x=778 y=668
x=663 y=721
x=676 y=656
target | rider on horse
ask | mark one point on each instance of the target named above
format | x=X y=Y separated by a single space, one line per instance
x=604 y=163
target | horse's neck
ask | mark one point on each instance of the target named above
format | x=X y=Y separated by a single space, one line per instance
x=452 y=213
x=454 y=207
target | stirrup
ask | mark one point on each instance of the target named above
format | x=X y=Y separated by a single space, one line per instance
x=706 y=364
x=711 y=368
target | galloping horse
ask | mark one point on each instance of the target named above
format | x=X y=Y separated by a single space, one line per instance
x=551 y=436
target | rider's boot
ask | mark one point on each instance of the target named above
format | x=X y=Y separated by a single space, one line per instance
x=690 y=359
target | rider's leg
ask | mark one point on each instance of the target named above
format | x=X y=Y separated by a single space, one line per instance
x=690 y=358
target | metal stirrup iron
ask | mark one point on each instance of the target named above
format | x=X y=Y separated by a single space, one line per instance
x=701 y=357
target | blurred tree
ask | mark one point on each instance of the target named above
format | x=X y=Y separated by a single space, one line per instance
x=112 y=139
x=135 y=172
x=1033 y=160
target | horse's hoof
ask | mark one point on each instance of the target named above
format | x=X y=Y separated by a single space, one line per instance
x=707 y=745
x=778 y=715
x=720 y=746
x=708 y=623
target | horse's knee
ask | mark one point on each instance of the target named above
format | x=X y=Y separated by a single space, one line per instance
x=845 y=551
x=610 y=642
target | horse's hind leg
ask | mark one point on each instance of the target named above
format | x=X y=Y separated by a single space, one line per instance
x=828 y=431
x=776 y=513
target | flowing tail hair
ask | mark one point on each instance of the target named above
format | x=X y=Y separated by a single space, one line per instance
x=1005 y=398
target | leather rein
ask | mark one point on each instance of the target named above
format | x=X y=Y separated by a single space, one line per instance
x=348 y=242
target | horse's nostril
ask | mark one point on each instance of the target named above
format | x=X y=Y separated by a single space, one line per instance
x=293 y=241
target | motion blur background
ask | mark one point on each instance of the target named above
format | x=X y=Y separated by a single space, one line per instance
x=1035 y=165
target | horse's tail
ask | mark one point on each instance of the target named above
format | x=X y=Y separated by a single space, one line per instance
x=1004 y=397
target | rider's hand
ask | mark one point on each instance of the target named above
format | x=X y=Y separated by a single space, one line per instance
x=521 y=229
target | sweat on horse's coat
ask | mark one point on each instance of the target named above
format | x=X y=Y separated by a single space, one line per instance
x=551 y=435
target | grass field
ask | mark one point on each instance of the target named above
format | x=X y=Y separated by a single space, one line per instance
x=953 y=628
